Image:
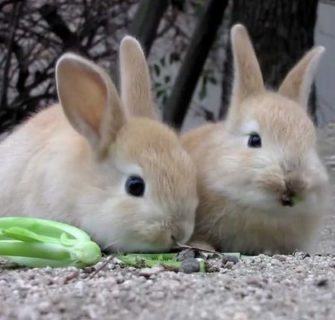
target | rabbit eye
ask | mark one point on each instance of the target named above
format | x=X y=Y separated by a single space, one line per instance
x=135 y=186
x=254 y=141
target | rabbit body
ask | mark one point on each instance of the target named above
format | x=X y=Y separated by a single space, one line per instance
x=261 y=184
x=102 y=164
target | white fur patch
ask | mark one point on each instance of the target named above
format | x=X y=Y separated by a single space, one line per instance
x=131 y=169
x=249 y=127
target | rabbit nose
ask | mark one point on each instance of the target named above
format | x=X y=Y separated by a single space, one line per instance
x=287 y=199
x=293 y=188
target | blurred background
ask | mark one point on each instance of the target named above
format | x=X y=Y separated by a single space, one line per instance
x=186 y=42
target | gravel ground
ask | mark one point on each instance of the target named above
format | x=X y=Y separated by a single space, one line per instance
x=262 y=287
x=280 y=287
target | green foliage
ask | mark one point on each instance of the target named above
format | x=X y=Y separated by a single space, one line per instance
x=149 y=260
x=163 y=81
x=206 y=78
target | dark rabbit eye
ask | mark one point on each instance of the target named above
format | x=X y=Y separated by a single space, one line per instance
x=254 y=141
x=135 y=186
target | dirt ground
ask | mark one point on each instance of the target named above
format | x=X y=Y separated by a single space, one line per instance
x=299 y=286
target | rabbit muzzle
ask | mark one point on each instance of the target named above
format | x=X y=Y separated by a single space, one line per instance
x=287 y=199
x=294 y=190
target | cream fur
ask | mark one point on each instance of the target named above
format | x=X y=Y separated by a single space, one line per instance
x=135 y=71
x=72 y=165
x=240 y=187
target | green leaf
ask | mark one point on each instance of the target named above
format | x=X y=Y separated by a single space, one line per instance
x=202 y=92
x=160 y=93
x=212 y=80
x=174 y=57
x=157 y=69
x=164 y=99
x=150 y=260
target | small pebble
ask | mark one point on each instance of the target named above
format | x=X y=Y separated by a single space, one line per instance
x=190 y=265
x=44 y=307
x=213 y=265
x=227 y=258
x=301 y=254
x=240 y=316
x=115 y=293
x=255 y=281
x=229 y=265
x=279 y=257
x=159 y=295
x=127 y=284
x=148 y=272
x=71 y=276
x=48 y=270
x=185 y=254
x=119 y=279
x=322 y=282
x=299 y=269
x=88 y=270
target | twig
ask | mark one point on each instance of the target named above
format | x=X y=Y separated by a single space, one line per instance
x=185 y=246
x=59 y=27
x=108 y=260
x=73 y=275
x=14 y=22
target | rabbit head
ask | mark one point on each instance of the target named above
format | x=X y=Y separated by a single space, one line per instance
x=261 y=184
x=269 y=156
x=142 y=178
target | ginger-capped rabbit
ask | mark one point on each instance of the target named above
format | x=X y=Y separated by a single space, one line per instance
x=262 y=186
x=101 y=162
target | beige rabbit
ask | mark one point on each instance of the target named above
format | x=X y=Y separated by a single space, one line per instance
x=261 y=184
x=102 y=164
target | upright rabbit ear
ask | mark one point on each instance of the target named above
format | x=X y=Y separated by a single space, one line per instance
x=135 y=79
x=90 y=100
x=248 y=78
x=298 y=82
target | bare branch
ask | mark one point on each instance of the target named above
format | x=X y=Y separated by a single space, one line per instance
x=146 y=21
x=202 y=39
x=59 y=27
x=14 y=22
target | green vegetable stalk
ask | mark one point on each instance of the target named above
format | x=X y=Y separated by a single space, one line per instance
x=149 y=260
x=35 y=242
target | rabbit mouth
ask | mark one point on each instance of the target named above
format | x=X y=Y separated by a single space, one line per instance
x=289 y=199
x=290 y=196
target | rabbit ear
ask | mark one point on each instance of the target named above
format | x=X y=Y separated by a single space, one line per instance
x=135 y=80
x=90 y=100
x=298 y=82
x=248 y=78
